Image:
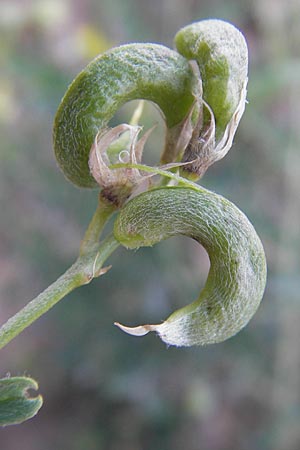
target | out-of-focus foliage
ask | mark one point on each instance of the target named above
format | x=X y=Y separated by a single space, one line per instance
x=104 y=390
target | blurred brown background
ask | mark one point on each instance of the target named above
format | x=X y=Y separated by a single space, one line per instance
x=103 y=389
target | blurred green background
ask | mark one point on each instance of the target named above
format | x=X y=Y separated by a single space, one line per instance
x=103 y=389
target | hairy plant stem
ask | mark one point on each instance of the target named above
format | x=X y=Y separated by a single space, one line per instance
x=102 y=214
x=88 y=265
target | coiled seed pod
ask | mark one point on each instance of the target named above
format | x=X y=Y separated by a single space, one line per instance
x=237 y=276
x=136 y=71
x=221 y=53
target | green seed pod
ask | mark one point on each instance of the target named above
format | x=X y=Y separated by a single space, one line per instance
x=237 y=276
x=221 y=53
x=136 y=71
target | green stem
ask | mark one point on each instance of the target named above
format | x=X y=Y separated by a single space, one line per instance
x=81 y=272
x=102 y=214
x=88 y=266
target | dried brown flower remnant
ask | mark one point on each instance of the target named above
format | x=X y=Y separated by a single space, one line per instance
x=112 y=146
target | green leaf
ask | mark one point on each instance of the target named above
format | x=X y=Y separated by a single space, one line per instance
x=16 y=404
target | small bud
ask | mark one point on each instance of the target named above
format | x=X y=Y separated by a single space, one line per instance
x=16 y=404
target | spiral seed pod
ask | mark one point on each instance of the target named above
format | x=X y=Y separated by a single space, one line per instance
x=237 y=276
x=221 y=53
x=202 y=108
x=136 y=71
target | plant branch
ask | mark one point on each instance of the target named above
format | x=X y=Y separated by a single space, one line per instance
x=103 y=212
x=88 y=266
